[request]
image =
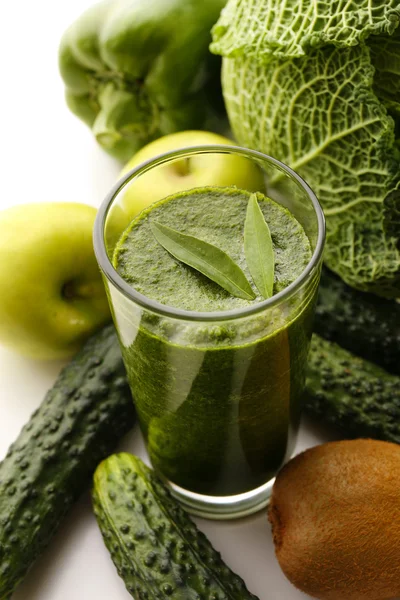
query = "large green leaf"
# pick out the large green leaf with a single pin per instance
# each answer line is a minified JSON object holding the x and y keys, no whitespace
{"x":385,"y":56}
{"x":320,"y":115}
{"x":292,"y":28}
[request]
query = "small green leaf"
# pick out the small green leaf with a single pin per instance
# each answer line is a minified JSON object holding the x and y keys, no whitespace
{"x":206,"y":258}
{"x":258,"y":248}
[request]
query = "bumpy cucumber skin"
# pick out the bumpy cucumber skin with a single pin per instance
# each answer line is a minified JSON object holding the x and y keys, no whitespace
{"x":48,"y":467}
{"x":157,"y":549}
{"x":357,"y":397}
{"x":362,"y":323}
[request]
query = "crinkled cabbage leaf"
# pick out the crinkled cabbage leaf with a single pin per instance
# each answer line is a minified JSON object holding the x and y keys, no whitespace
{"x":317,"y":85}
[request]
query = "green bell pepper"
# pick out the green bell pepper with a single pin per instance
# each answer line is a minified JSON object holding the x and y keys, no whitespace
{"x":138,"y":69}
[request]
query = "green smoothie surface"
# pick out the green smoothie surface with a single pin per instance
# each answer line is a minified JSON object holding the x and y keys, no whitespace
{"x":217,"y":216}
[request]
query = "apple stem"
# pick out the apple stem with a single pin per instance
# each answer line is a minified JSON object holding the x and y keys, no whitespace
{"x":71,"y":290}
{"x":182,"y":166}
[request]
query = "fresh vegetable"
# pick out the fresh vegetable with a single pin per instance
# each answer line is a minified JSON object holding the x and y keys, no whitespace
{"x":156,"y":548}
{"x":316,"y":86}
{"x":335,"y":514}
{"x":52,"y":296}
{"x":357,"y":397}
{"x":360,"y":322}
{"x":78,"y":424}
{"x":138,"y":69}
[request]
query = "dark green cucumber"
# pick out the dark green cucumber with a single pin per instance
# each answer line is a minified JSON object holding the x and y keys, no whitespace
{"x":357,"y":397}
{"x":157,"y":549}
{"x":78,"y":424}
{"x":363,"y":323}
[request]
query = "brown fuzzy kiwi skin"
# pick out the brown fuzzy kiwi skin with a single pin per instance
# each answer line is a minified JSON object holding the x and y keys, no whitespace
{"x":335,"y":516}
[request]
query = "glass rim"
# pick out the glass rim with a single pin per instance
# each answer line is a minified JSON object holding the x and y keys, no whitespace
{"x":190,"y":315}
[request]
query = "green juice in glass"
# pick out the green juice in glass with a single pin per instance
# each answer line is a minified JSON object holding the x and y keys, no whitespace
{"x":219,"y":402}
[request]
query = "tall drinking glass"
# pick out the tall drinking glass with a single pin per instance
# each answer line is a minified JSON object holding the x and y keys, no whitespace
{"x":218,"y":394}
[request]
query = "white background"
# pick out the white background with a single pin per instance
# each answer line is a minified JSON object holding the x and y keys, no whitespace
{"x":48,"y":155}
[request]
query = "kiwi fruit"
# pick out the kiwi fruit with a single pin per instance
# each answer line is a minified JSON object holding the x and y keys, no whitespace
{"x":335,"y":516}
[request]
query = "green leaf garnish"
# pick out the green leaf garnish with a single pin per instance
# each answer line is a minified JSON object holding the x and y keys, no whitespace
{"x":258,"y":248}
{"x":206,"y":258}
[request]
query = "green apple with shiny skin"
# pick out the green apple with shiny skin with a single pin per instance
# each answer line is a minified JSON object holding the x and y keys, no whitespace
{"x":196,"y":171}
{"x":52,"y":295}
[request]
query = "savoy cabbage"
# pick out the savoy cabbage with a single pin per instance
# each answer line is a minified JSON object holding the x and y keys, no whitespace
{"x":317,"y":85}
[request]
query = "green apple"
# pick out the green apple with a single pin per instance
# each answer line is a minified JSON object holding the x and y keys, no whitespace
{"x":201,"y":170}
{"x":52,"y":295}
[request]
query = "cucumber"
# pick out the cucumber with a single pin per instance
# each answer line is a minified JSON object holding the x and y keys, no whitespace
{"x":157,"y":549}
{"x":357,"y":397}
{"x":78,"y":424}
{"x":363,"y":323}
